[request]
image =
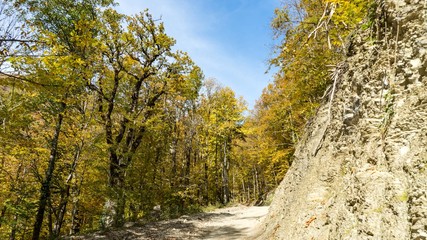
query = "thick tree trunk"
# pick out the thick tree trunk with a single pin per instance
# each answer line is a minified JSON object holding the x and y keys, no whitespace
{"x":119,"y":217}
{"x":112,"y":215}
{"x":45,"y":189}
{"x":114,"y":207}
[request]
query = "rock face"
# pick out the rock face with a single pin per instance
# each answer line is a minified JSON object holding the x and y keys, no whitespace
{"x":360,"y":171}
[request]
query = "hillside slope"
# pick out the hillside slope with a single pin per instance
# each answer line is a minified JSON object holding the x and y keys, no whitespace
{"x":360,"y":170}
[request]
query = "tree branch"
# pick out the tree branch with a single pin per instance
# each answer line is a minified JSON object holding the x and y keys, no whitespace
{"x":27,"y":80}
{"x":19,"y":40}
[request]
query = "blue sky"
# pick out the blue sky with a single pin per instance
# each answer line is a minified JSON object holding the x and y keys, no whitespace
{"x":229,"y":39}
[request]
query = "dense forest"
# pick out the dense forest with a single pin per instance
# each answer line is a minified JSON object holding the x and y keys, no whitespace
{"x":101,"y":119}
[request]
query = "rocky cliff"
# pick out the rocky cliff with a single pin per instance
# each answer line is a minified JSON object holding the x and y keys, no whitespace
{"x":360,"y":170}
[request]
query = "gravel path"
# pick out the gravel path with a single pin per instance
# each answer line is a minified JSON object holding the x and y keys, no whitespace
{"x":233,"y":223}
{"x":222,"y":224}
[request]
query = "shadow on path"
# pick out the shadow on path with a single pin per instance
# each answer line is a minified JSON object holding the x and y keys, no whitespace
{"x":230,"y":223}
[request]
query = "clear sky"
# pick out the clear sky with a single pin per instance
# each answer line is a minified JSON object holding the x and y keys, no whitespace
{"x":230,"y":40}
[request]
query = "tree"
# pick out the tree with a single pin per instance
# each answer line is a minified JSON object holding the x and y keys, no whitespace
{"x":66,"y":37}
{"x":139,"y":68}
{"x":222,"y":116}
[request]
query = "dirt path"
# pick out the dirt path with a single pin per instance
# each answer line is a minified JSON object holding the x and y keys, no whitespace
{"x":226,"y":223}
{"x":233,"y":223}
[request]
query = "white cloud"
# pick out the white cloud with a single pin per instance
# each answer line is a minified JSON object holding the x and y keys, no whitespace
{"x":207,"y":30}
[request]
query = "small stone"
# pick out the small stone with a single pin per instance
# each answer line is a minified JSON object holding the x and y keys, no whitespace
{"x":408,"y":52}
{"x":129,"y":224}
{"x":422,"y":41}
{"x":348,"y":117}
{"x":415,"y":63}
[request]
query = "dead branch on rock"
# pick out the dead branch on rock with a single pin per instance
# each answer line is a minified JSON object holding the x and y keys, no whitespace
{"x":324,"y":22}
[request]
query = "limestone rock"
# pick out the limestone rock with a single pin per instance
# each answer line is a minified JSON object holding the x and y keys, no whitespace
{"x":361,"y":173}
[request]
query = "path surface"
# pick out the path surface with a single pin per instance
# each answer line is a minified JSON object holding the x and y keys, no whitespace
{"x":233,"y":223}
{"x":223,"y":224}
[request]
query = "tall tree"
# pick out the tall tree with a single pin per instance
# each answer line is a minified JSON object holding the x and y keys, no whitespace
{"x":139,"y":69}
{"x":223,"y":117}
{"x":66,"y":34}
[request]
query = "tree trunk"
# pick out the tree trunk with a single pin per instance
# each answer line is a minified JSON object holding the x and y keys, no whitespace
{"x":3,"y":212}
{"x":187,"y":167}
{"x":45,"y":189}
{"x":13,"y":230}
{"x":75,"y":218}
{"x":233,"y":185}
{"x":244,"y":191}
{"x":50,"y":212}
{"x":254,"y":184}
{"x":62,"y":208}
{"x":75,"y":213}
{"x":119,"y":217}
{"x":60,"y":218}
{"x":114,"y":207}
{"x":174,"y":162}
{"x":258,"y":198}
{"x":119,"y":161}
{"x":66,"y":193}
{"x":218,"y":175}
{"x":206,"y":194}
{"x":113,"y":212}
{"x":249,"y":192}
{"x":226,"y":189}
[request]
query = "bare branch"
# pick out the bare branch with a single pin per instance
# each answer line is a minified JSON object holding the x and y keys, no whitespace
{"x":27,"y":80}
{"x":19,"y":40}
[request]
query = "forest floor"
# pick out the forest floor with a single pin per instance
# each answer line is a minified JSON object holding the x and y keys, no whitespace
{"x":238,"y":222}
